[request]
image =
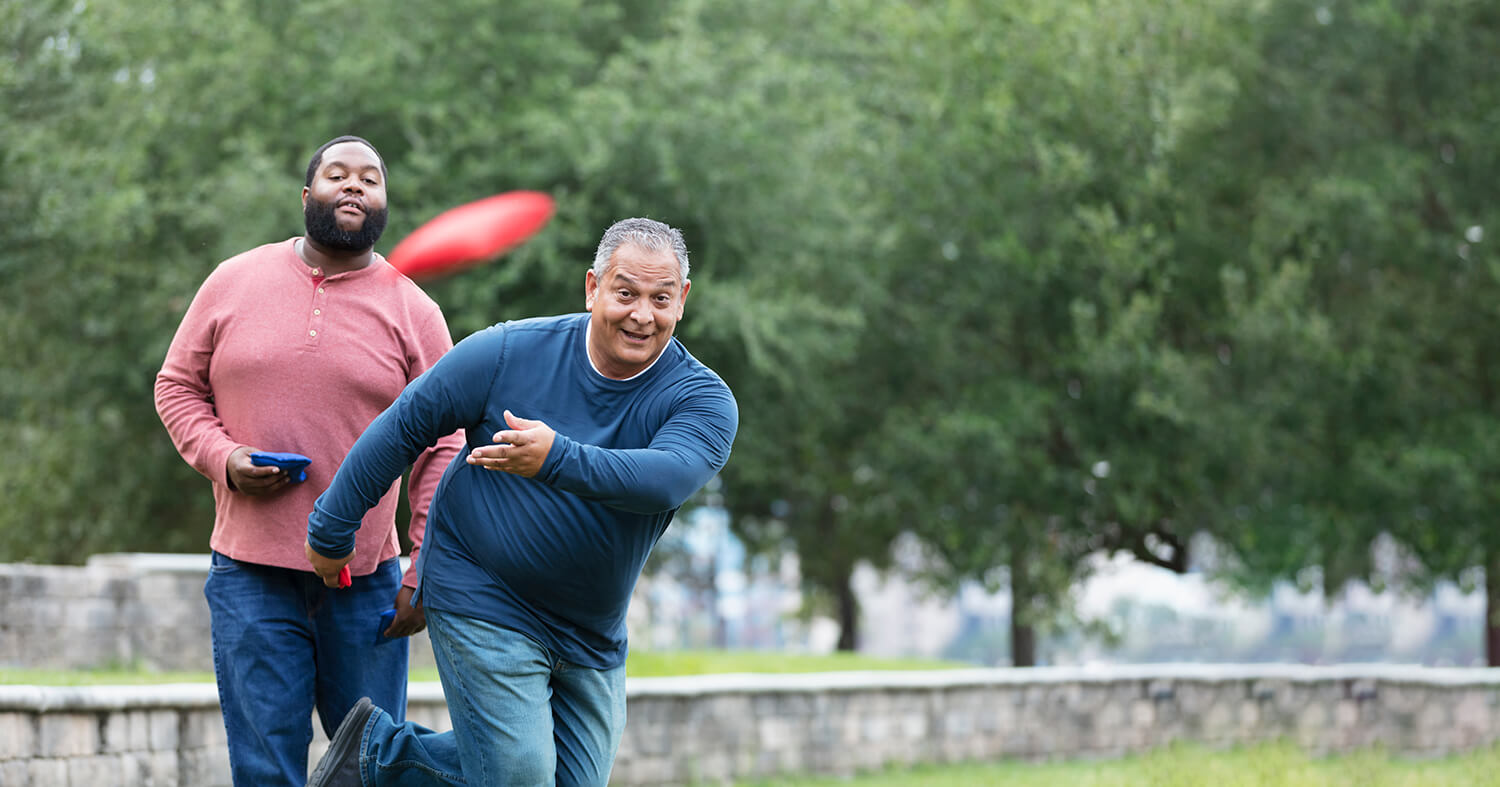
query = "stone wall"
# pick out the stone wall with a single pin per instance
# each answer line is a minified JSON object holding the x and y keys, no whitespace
{"x":143,"y":611}
{"x":715,"y":729}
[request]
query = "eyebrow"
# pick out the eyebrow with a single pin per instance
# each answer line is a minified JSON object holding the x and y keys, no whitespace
{"x":342,"y":165}
{"x":667,"y":283}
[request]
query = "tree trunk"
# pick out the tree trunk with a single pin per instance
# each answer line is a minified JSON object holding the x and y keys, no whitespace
{"x":848,"y":613}
{"x":1022,"y":634}
{"x":1492,"y":607}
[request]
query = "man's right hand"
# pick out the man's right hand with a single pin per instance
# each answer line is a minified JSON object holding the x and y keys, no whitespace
{"x":254,"y":480}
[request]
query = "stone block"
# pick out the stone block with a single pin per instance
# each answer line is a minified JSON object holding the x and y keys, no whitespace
{"x":1142,"y":714}
{"x":67,"y":734}
{"x":18,"y":735}
{"x":433,"y":717}
{"x":47,"y":772}
{"x":653,"y":740}
{"x":93,"y":614}
{"x":100,"y":769}
{"x":874,"y":729}
{"x":40,"y":612}
{"x":137,"y":730}
{"x":773,"y":734}
{"x":202,"y":729}
{"x":915,"y":726}
{"x":1474,"y":718}
{"x":115,"y":734}
{"x":1109,"y":724}
{"x":204,"y":767}
{"x":14,"y":773}
{"x":649,"y":770}
{"x":163,"y":730}
{"x":134,"y":769}
{"x":1218,"y":720}
{"x":957,"y":724}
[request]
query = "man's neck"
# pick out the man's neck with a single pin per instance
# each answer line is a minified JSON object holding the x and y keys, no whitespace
{"x":328,"y":262}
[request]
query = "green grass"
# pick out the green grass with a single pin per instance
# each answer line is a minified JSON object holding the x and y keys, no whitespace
{"x":1270,"y":765}
{"x":669,"y":663}
{"x":642,"y":664}
{"x":10,"y":676}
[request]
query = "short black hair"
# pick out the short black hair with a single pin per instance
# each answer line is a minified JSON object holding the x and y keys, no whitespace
{"x":317,"y":157}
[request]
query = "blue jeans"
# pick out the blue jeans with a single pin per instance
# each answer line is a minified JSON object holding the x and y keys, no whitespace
{"x":521,"y":716}
{"x":284,"y":644}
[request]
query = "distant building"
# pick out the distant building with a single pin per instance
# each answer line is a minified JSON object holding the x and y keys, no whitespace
{"x":710,"y":596}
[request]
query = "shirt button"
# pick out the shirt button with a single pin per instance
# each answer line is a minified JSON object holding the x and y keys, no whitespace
{"x":317,"y":271}
{"x":320,"y":290}
{"x":317,"y":311}
{"x":312,"y":333}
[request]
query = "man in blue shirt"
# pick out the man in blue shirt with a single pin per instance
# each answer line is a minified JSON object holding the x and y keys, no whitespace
{"x":586,"y":433}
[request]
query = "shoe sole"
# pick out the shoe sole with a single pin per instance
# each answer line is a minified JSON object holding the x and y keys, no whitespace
{"x":345,"y":741}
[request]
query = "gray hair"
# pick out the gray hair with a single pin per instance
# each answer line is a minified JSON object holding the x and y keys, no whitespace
{"x":646,"y":233}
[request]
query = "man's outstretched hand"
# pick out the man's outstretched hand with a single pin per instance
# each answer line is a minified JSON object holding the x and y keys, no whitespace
{"x":520,"y":450}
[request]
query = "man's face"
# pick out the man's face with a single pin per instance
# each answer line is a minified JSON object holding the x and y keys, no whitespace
{"x":635,"y":306}
{"x":344,"y":209}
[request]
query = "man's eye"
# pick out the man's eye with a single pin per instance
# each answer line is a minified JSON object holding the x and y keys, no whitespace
{"x":370,"y":181}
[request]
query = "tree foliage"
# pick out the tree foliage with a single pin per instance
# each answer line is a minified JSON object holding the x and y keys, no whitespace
{"x":1031,"y":281}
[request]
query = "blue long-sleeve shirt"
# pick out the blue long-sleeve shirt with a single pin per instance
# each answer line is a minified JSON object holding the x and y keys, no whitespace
{"x":555,"y":556}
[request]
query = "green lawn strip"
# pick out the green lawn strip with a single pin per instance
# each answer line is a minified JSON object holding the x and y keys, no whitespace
{"x":676,"y":663}
{"x":1267,"y":765}
{"x":642,"y":664}
{"x":11,"y":676}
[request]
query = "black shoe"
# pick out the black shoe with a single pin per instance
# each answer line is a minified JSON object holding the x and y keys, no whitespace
{"x":340,"y":764}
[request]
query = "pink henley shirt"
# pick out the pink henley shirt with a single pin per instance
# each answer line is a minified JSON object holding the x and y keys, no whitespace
{"x":273,"y":355}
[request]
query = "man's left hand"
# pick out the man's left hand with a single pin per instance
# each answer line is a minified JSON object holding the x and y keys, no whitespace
{"x":327,"y":567}
{"x":520,"y":450}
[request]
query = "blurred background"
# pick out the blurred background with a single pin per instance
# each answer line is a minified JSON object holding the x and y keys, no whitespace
{"x":1062,"y":330}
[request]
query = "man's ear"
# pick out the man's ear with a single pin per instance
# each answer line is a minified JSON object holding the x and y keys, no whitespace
{"x":590,"y":289}
{"x":305,"y":189}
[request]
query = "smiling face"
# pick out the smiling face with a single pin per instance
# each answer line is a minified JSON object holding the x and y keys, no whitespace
{"x":344,"y":206}
{"x":635,"y":306}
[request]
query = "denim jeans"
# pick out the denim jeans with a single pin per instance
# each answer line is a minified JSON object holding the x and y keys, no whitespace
{"x":284,"y":644}
{"x":521,"y":716}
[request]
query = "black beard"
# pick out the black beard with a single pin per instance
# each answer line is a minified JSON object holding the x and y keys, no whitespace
{"x":323,"y":227}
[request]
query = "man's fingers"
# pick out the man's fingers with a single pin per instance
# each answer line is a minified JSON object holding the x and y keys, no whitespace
{"x":256,"y":486}
{"x":517,"y":422}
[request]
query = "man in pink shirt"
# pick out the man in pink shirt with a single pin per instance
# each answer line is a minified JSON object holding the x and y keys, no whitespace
{"x":295,"y":347}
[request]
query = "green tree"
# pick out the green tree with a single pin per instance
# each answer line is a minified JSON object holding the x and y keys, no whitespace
{"x":148,"y":142}
{"x":1377,"y":173}
{"x":1058,"y":345}
{"x":740,"y":126}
